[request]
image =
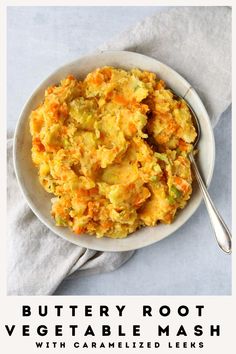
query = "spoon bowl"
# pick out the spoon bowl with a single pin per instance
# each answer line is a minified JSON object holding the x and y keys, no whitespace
{"x":194,"y":116}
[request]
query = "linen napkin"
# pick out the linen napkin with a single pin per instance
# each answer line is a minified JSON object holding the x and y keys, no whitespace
{"x":196,"y":42}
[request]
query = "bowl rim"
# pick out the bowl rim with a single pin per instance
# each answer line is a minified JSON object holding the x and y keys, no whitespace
{"x":22,"y":116}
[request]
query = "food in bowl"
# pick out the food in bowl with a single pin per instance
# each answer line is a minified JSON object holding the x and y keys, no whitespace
{"x":113,"y":150}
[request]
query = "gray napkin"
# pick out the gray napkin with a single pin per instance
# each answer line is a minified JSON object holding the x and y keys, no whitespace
{"x":196,"y":42}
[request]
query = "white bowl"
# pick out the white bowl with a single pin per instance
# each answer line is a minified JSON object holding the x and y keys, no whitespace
{"x":39,"y":200}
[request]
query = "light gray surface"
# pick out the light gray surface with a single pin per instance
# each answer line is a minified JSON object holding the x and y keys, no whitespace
{"x":187,"y":263}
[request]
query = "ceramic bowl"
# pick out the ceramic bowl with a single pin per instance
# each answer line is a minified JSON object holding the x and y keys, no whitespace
{"x":39,"y":200}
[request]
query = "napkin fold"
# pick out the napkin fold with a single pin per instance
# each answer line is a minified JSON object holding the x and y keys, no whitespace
{"x":196,"y":42}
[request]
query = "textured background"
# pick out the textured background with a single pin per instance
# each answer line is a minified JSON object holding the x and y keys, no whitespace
{"x":189,"y":262}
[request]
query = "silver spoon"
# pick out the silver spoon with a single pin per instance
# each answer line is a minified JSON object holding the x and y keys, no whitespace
{"x":222,"y":233}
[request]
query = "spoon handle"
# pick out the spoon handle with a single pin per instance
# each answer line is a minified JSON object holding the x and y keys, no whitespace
{"x":222,"y":233}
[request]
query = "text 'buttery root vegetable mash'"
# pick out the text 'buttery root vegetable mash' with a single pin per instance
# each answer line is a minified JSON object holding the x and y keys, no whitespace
{"x":113,"y":149}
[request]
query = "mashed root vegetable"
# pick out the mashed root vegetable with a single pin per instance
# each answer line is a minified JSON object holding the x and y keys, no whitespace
{"x":113,"y":150}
